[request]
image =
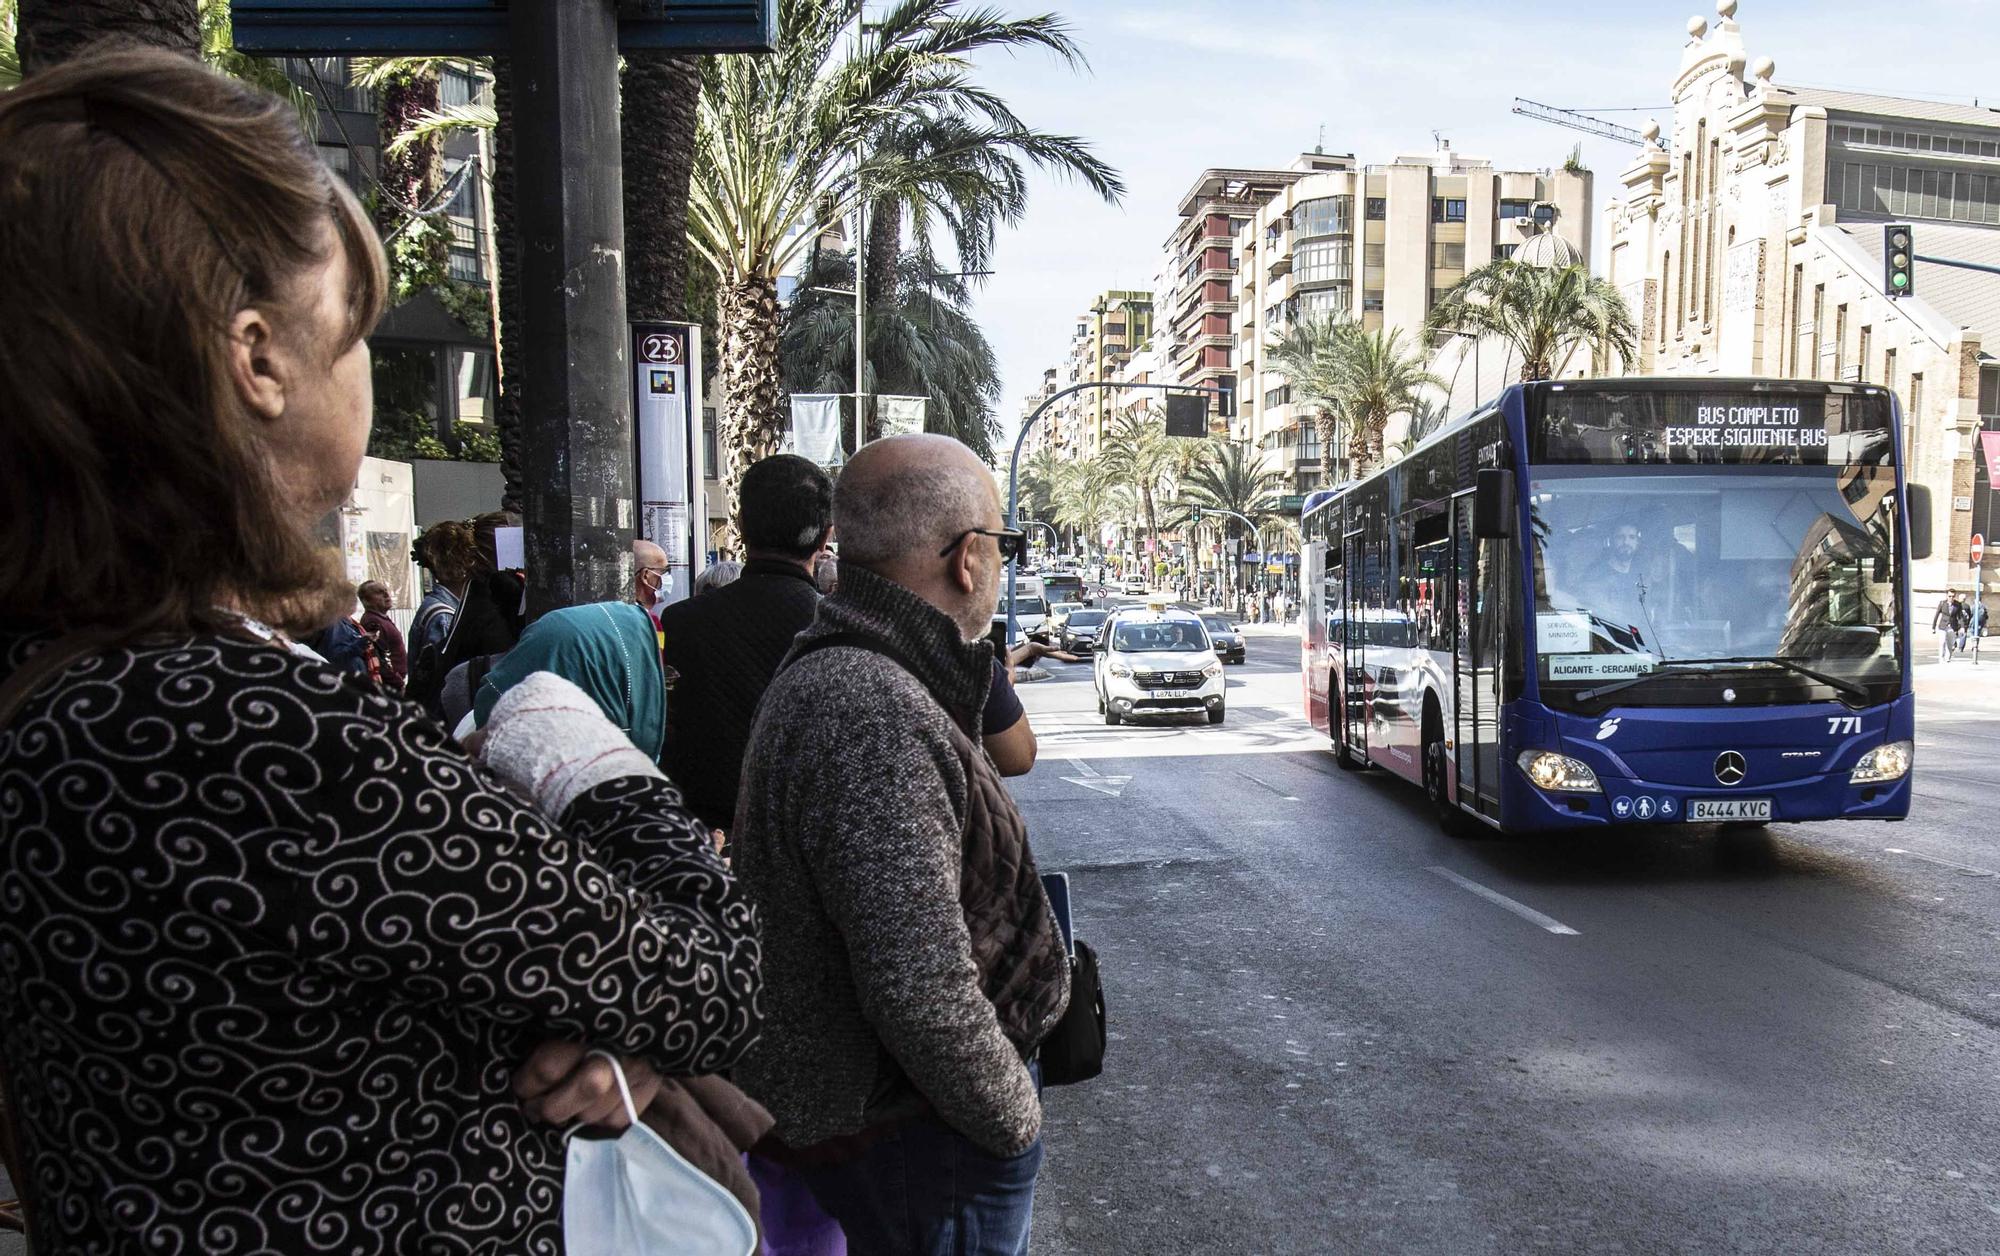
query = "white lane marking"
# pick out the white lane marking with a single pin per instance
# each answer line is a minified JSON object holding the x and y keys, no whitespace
{"x":1498,"y":899}
{"x":1967,"y":869}
{"x":1091,"y":778}
{"x":1267,"y":785}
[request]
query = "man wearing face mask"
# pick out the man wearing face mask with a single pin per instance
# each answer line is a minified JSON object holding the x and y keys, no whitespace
{"x":910,"y":957}
{"x":649,"y":577}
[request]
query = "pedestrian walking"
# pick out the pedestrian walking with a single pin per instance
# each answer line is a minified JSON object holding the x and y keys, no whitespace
{"x":911,"y":958}
{"x":1943,"y":624}
{"x":392,"y":657}
{"x":300,"y":976}
{"x":1976,"y":625}
{"x":446,"y":552}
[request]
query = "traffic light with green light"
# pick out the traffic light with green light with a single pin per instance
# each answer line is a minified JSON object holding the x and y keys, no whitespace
{"x":1899,"y":259}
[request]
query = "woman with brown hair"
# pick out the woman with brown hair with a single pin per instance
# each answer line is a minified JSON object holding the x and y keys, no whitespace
{"x":281,"y":969}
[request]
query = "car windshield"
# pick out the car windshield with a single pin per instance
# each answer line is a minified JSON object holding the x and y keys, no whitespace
{"x":1086,"y":619}
{"x":1159,"y":638}
{"x":1634,"y":573}
{"x":1218,"y":625}
{"x":1030,"y":606}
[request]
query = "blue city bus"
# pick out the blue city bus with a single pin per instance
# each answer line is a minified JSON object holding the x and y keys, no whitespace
{"x":1600,"y":602}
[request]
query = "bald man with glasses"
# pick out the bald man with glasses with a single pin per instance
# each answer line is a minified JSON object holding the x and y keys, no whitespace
{"x":911,"y":962}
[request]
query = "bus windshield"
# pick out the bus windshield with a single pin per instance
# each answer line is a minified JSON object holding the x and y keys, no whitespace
{"x":1639,"y":570}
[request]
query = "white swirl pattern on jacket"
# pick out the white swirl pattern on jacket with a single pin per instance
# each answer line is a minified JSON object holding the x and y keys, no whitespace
{"x":271,"y":946}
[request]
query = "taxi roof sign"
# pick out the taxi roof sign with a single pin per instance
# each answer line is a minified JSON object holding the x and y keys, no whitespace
{"x":475,"y":28}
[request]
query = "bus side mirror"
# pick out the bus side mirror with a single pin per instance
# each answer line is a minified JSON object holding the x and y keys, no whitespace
{"x":1493,"y":504}
{"x":1918,"y":499}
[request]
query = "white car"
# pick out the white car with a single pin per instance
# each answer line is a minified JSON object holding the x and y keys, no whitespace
{"x":1134,"y":585}
{"x":1157,"y":660}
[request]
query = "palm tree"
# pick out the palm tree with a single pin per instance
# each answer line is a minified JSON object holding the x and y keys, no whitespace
{"x":53,"y":31}
{"x":1138,"y":452}
{"x":921,"y":342}
{"x":979,"y":181}
{"x":1085,"y":499}
{"x":1230,"y":477}
{"x":1040,"y":475}
{"x":1544,"y":313}
{"x":1378,"y":378}
{"x":775,"y":166}
{"x":1310,"y":353}
{"x":1427,"y":417}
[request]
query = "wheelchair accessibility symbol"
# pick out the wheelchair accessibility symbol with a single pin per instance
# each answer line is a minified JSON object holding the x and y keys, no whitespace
{"x":1666,"y":807}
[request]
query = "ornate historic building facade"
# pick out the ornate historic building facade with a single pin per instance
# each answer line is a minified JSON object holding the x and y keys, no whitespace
{"x":1748,"y":241}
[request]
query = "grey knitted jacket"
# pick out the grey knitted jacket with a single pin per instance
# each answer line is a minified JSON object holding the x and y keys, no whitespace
{"x":909,"y":955}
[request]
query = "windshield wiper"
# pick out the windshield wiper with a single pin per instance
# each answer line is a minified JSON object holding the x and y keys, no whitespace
{"x":1686,"y":667}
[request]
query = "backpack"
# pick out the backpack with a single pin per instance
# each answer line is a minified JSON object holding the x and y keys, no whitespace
{"x":425,"y":683}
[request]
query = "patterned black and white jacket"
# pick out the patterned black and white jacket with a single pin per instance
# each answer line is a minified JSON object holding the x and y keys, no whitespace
{"x":271,"y":946}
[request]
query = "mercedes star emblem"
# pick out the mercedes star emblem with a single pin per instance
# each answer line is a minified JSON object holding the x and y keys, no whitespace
{"x":1729,"y":768}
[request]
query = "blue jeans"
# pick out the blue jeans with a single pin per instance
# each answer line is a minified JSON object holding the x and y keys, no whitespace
{"x":927,"y":1190}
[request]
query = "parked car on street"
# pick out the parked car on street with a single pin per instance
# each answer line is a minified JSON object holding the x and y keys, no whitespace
{"x":1228,"y":638}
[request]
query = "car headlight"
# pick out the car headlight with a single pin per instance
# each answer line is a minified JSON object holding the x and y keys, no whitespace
{"x":1213,"y":669}
{"x":1558,"y":773}
{"x":1889,"y":761}
{"x":1120,"y":670}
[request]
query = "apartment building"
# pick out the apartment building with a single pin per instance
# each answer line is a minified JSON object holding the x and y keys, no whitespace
{"x":1378,"y":244}
{"x":1198,"y":300}
{"x":1102,"y":340}
{"x":1748,"y":241}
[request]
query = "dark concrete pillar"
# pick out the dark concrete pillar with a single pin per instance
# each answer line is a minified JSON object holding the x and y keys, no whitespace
{"x":576,"y":419}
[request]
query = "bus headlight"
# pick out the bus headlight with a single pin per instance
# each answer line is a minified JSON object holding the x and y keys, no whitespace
{"x":1889,"y":761}
{"x":1558,"y":773}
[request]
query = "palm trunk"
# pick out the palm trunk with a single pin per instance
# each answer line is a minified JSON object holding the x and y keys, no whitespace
{"x":51,"y":32}
{"x":661,"y":94}
{"x":751,"y":424}
{"x":1152,"y":520}
{"x":885,"y":249}
{"x":1329,"y":433}
{"x":507,"y":288}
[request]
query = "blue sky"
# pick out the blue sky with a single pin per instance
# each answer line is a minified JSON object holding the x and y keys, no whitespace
{"x":1176,"y":86}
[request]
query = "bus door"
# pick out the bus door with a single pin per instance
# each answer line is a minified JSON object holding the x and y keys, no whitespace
{"x":1478,"y":638}
{"x":1350,"y":653}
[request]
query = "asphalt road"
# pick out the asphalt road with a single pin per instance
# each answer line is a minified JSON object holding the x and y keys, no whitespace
{"x":1329,"y":1037}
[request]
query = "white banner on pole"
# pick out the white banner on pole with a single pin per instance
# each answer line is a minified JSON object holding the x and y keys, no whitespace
{"x":901,"y":416}
{"x":816,"y":428}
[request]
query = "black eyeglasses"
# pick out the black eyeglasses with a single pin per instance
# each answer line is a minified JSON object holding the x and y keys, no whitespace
{"x":1012,"y":541}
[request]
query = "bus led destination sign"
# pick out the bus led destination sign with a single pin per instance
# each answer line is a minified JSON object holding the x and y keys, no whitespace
{"x":1747,"y":427}
{"x":1782,"y":423}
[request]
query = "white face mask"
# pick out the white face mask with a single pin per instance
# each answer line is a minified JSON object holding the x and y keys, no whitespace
{"x":634,"y":1196}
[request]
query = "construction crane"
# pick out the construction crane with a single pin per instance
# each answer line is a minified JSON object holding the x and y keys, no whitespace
{"x":1577,"y":121}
